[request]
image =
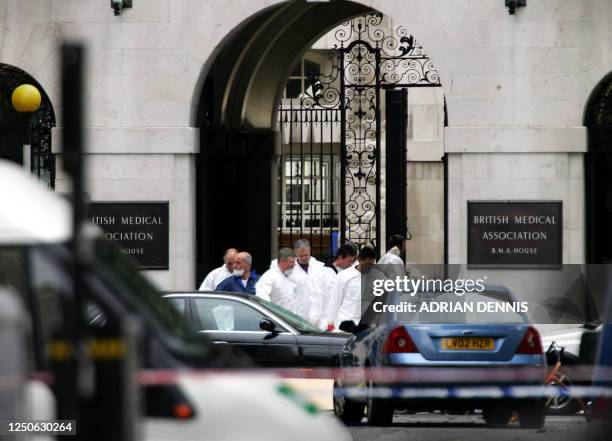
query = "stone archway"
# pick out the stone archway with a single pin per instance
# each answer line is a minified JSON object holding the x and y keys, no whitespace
{"x":239,"y":140}
{"x":236,"y":167}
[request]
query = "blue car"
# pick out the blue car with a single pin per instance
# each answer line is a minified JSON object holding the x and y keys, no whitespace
{"x":455,"y":343}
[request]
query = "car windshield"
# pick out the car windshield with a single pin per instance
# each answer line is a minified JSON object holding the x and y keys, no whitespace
{"x":448,"y":307}
{"x":119,"y":272}
{"x":294,"y":320}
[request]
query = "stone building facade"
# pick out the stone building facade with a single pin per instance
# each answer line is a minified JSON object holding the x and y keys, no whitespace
{"x":507,"y":123}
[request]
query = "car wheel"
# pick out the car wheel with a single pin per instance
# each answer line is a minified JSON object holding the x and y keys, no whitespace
{"x":532,"y":415}
{"x":379,"y":410}
{"x":562,"y":404}
{"x":497,"y":415}
{"x":349,"y":411}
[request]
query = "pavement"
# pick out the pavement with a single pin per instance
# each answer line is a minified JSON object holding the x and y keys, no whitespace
{"x":437,"y":427}
{"x":319,"y":392}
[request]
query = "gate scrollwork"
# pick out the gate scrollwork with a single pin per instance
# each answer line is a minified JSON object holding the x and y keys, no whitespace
{"x":366,"y":59}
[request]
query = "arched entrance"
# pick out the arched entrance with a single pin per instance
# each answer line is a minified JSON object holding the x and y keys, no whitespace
{"x":262,"y":170}
{"x":16,"y":128}
{"x":343,"y":123}
{"x":598,"y":120}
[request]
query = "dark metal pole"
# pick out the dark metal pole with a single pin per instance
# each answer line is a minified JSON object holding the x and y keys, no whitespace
{"x":332,"y":165}
{"x":96,"y":386}
{"x":377,"y":223}
{"x":73,"y":379}
{"x":321,"y":189}
{"x":72,"y":118}
{"x":343,"y":159}
{"x":290,"y":204}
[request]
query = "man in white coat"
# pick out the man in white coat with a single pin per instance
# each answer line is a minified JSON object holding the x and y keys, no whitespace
{"x":396,"y":249}
{"x":393,"y":263}
{"x":322,"y":285}
{"x":276,"y":284}
{"x":345,"y":298}
{"x":218,"y":275}
{"x":310,"y":276}
{"x":311,"y":280}
{"x":303,"y":258}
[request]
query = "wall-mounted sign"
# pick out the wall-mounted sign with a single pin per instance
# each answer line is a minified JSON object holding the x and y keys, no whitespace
{"x":515,"y":233}
{"x":140,"y":228}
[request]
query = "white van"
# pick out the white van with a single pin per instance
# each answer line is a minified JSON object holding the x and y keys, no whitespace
{"x":35,"y":225}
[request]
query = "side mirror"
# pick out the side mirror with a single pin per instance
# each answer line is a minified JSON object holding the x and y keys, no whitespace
{"x":348,"y":326}
{"x":267,"y":325}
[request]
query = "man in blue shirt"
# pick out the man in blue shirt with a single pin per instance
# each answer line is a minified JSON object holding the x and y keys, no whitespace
{"x":243,"y":279}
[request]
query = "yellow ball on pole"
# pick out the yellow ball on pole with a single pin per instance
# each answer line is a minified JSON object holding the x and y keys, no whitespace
{"x":26,"y":98}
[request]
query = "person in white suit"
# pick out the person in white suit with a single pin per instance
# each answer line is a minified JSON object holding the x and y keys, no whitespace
{"x":309,"y":276}
{"x":396,"y":250}
{"x":323,"y":283}
{"x":393,"y":261}
{"x":345,"y":297}
{"x":277,"y":285}
{"x":218,"y":275}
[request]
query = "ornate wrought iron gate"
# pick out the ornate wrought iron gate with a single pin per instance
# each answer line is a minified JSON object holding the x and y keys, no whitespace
{"x":330,"y":123}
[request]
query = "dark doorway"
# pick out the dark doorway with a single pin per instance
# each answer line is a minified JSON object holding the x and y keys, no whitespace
{"x":234,"y":187}
{"x":17,"y":129}
{"x":395,"y":180}
{"x":598,"y":120}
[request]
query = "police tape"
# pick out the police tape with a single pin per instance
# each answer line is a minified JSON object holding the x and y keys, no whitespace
{"x":380,"y":375}
{"x":472,"y":392}
{"x":371,"y":384}
{"x":419,"y":382}
{"x":394,"y":375}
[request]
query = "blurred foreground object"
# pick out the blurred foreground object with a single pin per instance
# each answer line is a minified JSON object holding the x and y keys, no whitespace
{"x":13,"y":339}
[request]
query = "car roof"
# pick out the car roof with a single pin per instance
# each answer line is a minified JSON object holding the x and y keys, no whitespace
{"x":226,"y":293}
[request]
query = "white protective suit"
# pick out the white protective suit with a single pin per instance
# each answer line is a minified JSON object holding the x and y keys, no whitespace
{"x":309,"y":290}
{"x":216,"y":276}
{"x":276,"y":287}
{"x":394,"y":265}
{"x":391,"y":258}
{"x":326,"y":277}
{"x":345,"y":298}
{"x":312,"y":299}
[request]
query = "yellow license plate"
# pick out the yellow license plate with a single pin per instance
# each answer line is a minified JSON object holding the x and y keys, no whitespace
{"x":468,"y":344}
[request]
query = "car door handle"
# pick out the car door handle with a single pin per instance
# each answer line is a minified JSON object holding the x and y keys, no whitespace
{"x":219,"y":342}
